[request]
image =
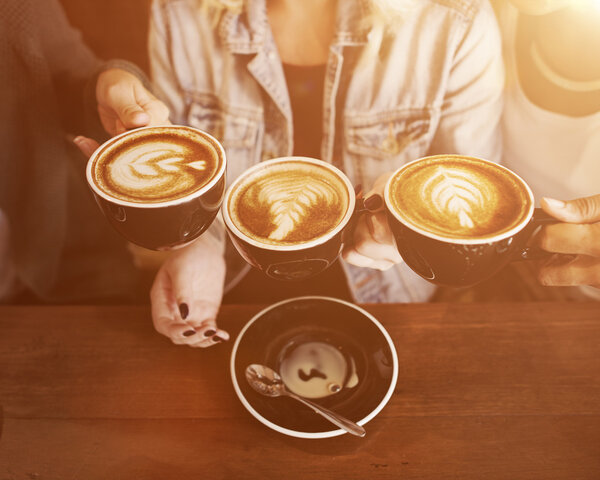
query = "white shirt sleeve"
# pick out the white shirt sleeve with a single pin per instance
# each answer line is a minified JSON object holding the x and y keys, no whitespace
{"x":472,"y":107}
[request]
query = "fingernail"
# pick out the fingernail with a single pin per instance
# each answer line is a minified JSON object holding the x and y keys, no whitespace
{"x":553,"y":203}
{"x":217,"y":339}
{"x":184,"y":311}
{"x":374,"y":202}
{"x":189,"y":333}
{"x":209,"y":333}
{"x":358,"y":189}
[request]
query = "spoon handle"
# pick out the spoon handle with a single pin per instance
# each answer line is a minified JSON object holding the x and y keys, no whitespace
{"x":333,"y":417}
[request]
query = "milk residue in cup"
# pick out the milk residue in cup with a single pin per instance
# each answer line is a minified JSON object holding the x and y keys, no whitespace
{"x":317,"y":370}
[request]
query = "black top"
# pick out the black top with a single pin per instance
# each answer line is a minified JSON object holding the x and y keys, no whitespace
{"x":305,"y":86}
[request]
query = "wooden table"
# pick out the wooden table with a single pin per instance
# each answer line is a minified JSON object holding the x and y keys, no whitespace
{"x":506,"y":391}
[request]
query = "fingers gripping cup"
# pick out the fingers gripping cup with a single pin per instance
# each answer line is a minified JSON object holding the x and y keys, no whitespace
{"x":457,"y":220}
{"x":287,"y":216}
{"x":159,"y":187}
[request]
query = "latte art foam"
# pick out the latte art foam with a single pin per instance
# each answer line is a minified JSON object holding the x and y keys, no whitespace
{"x":288,"y":203}
{"x":459,"y":197}
{"x":156,"y":165}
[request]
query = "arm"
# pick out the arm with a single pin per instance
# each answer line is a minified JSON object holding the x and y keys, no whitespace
{"x":187,"y":291}
{"x":195,"y":275}
{"x":70,"y":62}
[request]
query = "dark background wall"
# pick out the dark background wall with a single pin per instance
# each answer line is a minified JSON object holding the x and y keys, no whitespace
{"x":112,"y":28}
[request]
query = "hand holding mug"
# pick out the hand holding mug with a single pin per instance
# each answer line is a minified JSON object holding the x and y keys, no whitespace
{"x":578,"y":236}
{"x":123,"y":103}
{"x":160,"y":187}
{"x":372,"y":244}
{"x":187,"y":293}
{"x":457,"y":220}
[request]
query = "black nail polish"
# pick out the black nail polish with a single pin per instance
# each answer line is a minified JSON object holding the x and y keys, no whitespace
{"x":209,"y":333}
{"x":358,"y":189}
{"x":189,"y":333}
{"x":184,"y":310}
{"x":217,"y":339}
{"x":374,"y":202}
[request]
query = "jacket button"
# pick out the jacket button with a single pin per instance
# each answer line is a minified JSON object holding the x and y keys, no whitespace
{"x":390,"y":145}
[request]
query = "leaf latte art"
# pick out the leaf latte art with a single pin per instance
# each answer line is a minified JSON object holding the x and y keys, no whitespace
{"x":459,"y":197}
{"x":289,"y":203}
{"x":156,"y":167}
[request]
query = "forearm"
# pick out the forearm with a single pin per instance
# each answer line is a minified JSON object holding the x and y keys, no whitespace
{"x":150,"y":260}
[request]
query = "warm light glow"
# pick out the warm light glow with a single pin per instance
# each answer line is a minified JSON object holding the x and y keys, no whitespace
{"x":586,"y":4}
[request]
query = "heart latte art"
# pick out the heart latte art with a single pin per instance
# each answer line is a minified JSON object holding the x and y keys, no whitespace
{"x":156,"y":165}
{"x":459,"y":197}
{"x":288,"y":203}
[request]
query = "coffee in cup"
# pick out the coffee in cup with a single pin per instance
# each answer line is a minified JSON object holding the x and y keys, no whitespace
{"x":156,"y":165}
{"x":458,"y":198}
{"x":457,"y":219}
{"x":286,"y":216}
{"x":160,"y":187}
{"x":290,"y":203}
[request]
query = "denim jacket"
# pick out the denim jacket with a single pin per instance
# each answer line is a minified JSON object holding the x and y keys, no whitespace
{"x":435,"y":86}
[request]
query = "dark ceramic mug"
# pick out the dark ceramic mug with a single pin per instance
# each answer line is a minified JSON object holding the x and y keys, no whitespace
{"x":166,"y":216}
{"x":301,"y":260}
{"x":462,"y":262}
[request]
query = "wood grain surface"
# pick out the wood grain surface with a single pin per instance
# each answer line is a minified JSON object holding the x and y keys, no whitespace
{"x":485,"y":391}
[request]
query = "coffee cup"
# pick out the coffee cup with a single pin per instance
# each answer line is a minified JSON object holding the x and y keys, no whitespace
{"x":288,"y":216}
{"x":159,"y":187}
{"x":457,"y":220}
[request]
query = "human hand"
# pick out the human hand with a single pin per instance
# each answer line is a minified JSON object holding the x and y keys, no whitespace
{"x":123,"y":103}
{"x":578,"y":236}
{"x":373,"y":244}
{"x":187,"y":293}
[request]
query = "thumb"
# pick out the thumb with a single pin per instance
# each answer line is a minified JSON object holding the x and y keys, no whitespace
{"x":131,"y":114}
{"x":373,"y":201}
{"x":123,"y":101}
{"x":86,"y":145}
{"x":580,"y":210}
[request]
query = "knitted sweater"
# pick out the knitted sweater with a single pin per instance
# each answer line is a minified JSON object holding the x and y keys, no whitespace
{"x":61,"y":248}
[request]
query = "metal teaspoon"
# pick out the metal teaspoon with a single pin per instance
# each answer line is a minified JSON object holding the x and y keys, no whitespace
{"x":268,"y":382}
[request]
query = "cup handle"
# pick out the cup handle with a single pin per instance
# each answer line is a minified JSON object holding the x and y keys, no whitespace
{"x":359,"y":210}
{"x":539,"y":219}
